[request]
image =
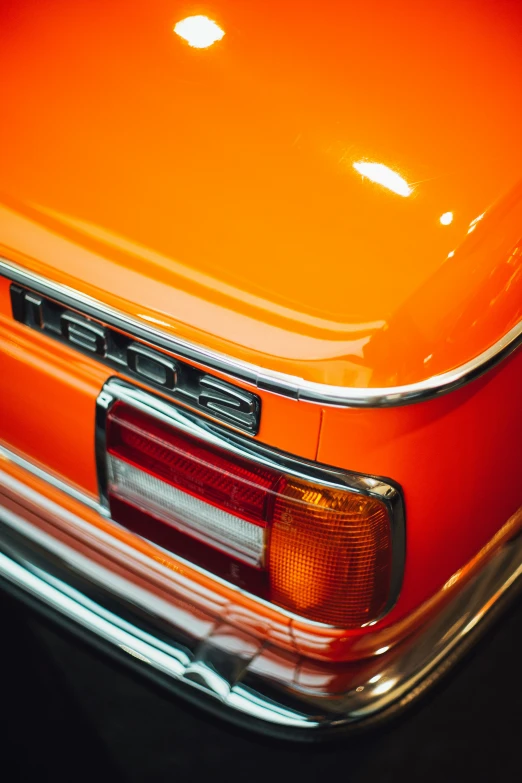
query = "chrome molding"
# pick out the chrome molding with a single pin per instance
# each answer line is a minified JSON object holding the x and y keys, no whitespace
{"x":206,"y":431}
{"x":89,"y":579}
{"x":278,"y":383}
{"x":54,"y":481}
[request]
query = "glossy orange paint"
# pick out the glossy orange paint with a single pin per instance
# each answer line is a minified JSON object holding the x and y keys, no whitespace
{"x":213,"y":191}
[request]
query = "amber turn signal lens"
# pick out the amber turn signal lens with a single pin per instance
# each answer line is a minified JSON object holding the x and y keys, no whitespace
{"x":330,"y":554}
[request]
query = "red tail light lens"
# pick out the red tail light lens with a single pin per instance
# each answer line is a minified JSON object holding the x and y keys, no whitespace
{"x":204,"y":471}
{"x":197,"y":488}
{"x":323,"y":552}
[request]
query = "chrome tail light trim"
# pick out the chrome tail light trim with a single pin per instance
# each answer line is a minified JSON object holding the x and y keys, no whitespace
{"x":206,"y":431}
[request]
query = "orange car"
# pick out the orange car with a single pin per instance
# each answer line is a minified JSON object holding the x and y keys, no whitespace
{"x":260,"y":318}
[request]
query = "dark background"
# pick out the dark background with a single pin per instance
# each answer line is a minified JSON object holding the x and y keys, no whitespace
{"x":70,"y":714}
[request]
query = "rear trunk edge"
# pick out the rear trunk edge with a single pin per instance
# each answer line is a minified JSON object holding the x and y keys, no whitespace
{"x":189,"y":233}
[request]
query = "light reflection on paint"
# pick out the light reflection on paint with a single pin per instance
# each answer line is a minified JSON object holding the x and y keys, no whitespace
{"x":383,"y":175}
{"x":451,"y":254}
{"x":199,"y":31}
{"x":476,"y":220}
{"x":381,"y":650}
{"x":473,"y":224}
{"x":446,"y":219}
{"x":152,"y":319}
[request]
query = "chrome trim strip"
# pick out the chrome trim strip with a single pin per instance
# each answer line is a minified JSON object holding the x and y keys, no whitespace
{"x":386,"y":491}
{"x":275,"y":382}
{"x":157,"y":628}
{"x":51,"y":479}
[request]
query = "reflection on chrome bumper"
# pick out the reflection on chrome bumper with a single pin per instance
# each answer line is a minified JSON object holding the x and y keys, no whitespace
{"x":92,"y":582}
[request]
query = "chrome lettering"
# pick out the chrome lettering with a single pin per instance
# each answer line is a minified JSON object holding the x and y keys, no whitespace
{"x":138,"y":359}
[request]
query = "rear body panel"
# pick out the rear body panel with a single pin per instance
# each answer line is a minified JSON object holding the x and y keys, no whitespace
{"x":206,"y":205}
{"x":447,"y":454}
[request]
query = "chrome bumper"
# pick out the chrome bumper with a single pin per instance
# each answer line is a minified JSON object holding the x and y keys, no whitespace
{"x":145,"y":614}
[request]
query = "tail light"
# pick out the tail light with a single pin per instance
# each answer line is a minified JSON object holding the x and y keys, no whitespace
{"x":314,"y":541}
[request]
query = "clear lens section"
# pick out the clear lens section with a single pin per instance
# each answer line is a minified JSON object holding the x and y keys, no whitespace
{"x":187,"y":513}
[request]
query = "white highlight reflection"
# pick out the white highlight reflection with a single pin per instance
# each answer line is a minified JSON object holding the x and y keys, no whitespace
{"x":473,"y":224}
{"x":199,"y":31}
{"x":383,"y":175}
{"x":384,"y":687}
